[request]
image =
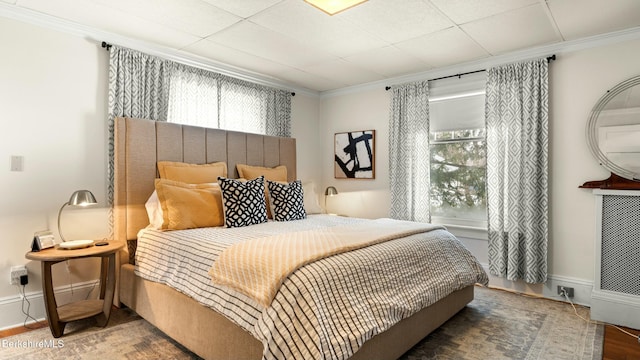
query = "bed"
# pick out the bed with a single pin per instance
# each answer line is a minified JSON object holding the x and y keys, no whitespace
{"x":210,"y":330}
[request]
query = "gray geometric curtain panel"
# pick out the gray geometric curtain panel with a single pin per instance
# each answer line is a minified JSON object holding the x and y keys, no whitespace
{"x":517,"y":116}
{"x":249,"y":107}
{"x":409,"y":152}
{"x":193,"y":96}
{"x":138,"y":87}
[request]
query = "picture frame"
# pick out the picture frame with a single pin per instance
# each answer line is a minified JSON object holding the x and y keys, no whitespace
{"x":43,"y":240}
{"x":354,"y":155}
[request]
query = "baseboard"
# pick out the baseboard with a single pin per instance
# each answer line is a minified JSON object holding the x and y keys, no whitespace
{"x":11,"y":307}
{"x":616,"y":308}
{"x":582,"y":288}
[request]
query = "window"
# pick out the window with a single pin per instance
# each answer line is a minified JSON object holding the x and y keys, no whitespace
{"x":458,"y":156}
{"x":193,"y":98}
{"x":201,"y":98}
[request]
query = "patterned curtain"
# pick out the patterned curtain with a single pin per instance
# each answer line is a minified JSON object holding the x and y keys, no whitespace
{"x":409,"y":152}
{"x":249,"y":107}
{"x":138,"y":87}
{"x":517,"y":170}
{"x":193,"y":96}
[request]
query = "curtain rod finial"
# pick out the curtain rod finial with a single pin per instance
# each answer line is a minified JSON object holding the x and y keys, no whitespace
{"x":106,"y":45}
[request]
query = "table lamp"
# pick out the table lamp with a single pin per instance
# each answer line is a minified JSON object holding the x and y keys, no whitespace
{"x":78,"y":198}
{"x":329,"y":191}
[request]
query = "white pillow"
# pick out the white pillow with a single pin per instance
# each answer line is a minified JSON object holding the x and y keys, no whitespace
{"x":311,"y":205}
{"x":154,"y":211}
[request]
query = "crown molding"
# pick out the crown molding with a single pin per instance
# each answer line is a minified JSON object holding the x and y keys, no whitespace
{"x":15,"y":12}
{"x":521,"y":55}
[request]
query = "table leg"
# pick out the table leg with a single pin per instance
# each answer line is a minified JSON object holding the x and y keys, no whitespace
{"x":109,"y":288}
{"x":57,"y":327}
{"x":104,"y":270}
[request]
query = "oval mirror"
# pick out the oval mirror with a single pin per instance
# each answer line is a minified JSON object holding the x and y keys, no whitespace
{"x":613,"y":129}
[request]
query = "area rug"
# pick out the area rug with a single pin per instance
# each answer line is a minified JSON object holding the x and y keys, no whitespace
{"x":496,"y":325}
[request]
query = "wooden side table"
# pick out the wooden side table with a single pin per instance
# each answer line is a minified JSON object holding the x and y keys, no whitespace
{"x":100,"y":308}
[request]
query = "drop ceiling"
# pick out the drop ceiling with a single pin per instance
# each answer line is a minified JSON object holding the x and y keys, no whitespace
{"x":294,"y":43}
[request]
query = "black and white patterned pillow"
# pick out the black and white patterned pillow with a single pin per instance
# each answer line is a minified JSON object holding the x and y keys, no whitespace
{"x":243,"y":202}
{"x":287,"y":201}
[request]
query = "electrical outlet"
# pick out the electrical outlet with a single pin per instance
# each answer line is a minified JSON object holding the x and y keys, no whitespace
{"x":563,"y":289}
{"x":15,"y":274}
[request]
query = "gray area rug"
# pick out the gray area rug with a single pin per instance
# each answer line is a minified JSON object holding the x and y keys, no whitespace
{"x":496,"y":325}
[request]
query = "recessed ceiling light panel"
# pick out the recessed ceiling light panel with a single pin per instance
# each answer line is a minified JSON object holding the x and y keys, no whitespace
{"x":333,"y":7}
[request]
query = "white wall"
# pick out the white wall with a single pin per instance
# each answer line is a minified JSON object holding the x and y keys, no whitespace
{"x":368,"y":110}
{"x":577,"y":80}
{"x":53,"y":96}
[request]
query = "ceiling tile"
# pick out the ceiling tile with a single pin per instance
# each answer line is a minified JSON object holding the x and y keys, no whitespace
{"x":259,"y":41}
{"x":513,"y":30}
{"x":101,"y":17}
{"x":398,"y":20}
{"x":595,"y":17}
{"x":243,"y":8}
{"x":464,"y":11}
{"x":341,"y":71}
{"x":446,"y":47}
{"x":388,"y":61}
{"x":332,"y":34}
{"x":310,"y":81}
{"x":239,"y":59}
{"x":192,"y":16}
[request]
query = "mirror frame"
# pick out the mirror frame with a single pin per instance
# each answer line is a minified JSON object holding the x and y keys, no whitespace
{"x":592,"y":130}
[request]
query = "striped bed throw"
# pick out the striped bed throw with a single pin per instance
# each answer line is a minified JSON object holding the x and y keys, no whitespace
{"x":258,"y":267}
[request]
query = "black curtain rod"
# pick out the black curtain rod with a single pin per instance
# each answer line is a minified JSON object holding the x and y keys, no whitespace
{"x":108,"y":46}
{"x":549,"y":59}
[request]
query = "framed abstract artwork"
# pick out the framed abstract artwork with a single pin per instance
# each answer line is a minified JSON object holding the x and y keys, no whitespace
{"x":355,"y":155}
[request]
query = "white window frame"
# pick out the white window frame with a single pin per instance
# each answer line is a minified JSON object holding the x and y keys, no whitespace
{"x":453,"y":88}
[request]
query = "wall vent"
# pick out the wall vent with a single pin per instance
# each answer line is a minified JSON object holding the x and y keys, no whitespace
{"x":620,"y":264}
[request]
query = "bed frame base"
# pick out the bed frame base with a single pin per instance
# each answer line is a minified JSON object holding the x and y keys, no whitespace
{"x":212,"y":336}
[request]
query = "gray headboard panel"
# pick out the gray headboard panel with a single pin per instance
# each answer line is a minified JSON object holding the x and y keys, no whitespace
{"x":140,"y":144}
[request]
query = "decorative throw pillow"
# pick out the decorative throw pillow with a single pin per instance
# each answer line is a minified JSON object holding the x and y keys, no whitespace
{"x":278,"y":173}
{"x":188,"y":206}
{"x":287,"y":201}
{"x":191,"y":173}
{"x":243,"y":202}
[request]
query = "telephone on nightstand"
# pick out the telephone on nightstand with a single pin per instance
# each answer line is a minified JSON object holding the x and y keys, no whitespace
{"x":42,"y":240}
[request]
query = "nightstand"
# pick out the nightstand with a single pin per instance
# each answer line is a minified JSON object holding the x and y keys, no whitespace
{"x":58,"y":317}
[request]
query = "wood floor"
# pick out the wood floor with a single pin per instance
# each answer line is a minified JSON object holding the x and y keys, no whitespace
{"x":620,"y":346}
{"x":617,"y":345}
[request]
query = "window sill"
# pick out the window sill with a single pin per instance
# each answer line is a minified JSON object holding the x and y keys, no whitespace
{"x":468,"y":232}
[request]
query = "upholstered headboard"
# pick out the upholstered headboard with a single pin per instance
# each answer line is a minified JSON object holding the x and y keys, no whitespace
{"x":140,"y":144}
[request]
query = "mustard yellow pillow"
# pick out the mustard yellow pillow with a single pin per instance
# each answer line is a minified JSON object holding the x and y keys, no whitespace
{"x":188,"y":206}
{"x":278,"y":173}
{"x":192,"y":173}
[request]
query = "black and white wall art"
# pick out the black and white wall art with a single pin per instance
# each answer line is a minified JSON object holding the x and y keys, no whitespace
{"x":355,"y":155}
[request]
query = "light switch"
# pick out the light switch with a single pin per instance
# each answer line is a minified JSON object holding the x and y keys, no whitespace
{"x":17,"y":163}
